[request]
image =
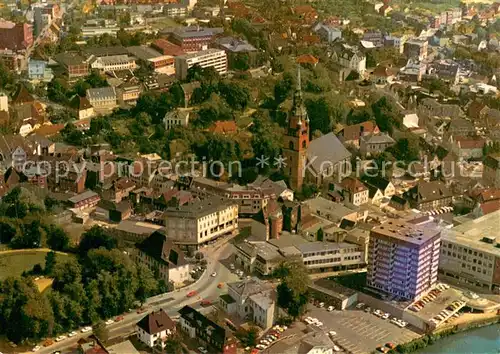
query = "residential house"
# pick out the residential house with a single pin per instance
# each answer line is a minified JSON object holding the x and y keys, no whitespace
{"x":412,"y":71}
{"x":429,"y":107}
{"x":113,"y":211}
{"x":383,"y":74}
{"x":375,"y":37}
{"x":102,"y":97}
{"x":85,"y":200}
{"x":215,"y":337}
{"x":223,"y":127}
{"x":128,"y":92}
{"x":429,"y":196}
{"x":307,"y":59}
{"x":355,"y":191}
{"x":251,"y":299}
{"x":38,"y":71}
{"x":375,"y":143}
{"x":188,"y":89}
{"x":477,"y":110}
{"x":445,"y":70}
{"x":306,"y":13}
{"x":460,"y":127}
{"x":416,"y":48}
{"x":399,"y":203}
{"x":328,"y":33}
{"x":351,"y":134}
{"x":466,"y":147}
{"x":160,"y":254}
{"x":279,"y":188}
{"x":351,"y":58}
{"x":82,"y":107}
{"x":177,"y":117}
{"x":379,"y":188}
{"x":155,"y":328}
{"x":491,"y":172}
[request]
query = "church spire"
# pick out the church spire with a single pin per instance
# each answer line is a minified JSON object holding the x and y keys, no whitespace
{"x":299,"y":110}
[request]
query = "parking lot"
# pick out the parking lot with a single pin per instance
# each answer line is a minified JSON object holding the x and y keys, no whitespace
{"x":358,"y":331}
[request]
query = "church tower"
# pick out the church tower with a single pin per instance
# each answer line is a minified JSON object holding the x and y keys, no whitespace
{"x":296,"y":140}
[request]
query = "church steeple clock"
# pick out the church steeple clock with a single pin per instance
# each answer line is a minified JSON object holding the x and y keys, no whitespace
{"x":296,"y":140}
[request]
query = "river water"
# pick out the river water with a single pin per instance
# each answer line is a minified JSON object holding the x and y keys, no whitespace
{"x":484,"y":340}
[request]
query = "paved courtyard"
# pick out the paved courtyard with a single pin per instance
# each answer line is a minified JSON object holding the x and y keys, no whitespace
{"x":360,"y":332}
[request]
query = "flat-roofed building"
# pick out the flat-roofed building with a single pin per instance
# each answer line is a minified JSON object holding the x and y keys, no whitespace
{"x":196,"y":223}
{"x":215,"y":58}
{"x":113,"y":63}
{"x":403,"y":258}
{"x":157,"y":61}
{"x":470,"y":253}
{"x":322,"y":256}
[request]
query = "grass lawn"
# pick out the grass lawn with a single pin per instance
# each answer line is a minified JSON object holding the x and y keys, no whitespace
{"x":16,"y":262}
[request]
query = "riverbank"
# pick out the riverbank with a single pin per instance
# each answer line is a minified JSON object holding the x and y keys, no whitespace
{"x":421,"y":344}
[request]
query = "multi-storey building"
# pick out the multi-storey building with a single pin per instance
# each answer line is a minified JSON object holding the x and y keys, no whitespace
{"x":214,"y":58}
{"x":74,"y":65}
{"x":351,"y":58}
{"x":470,"y":253}
{"x":113,"y":63}
{"x":193,"y":38}
{"x":160,"y":254}
{"x":429,"y":196}
{"x":177,"y":117}
{"x":102,"y":97}
{"x":196,"y":223}
{"x":403,"y":258}
{"x":416,"y":48}
{"x":355,"y":191}
{"x":15,"y":36}
{"x":323,"y":256}
{"x":198,"y":326}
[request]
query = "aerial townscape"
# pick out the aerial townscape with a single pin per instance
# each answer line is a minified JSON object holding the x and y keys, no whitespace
{"x":249,"y":176}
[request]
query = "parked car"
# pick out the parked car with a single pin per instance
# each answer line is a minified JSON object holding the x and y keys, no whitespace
{"x":386,"y":315}
{"x":220,"y":285}
{"x":336,"y":349}
{"x":48,"y":342}
{"x":231,"y":266}
{"x":368,"y":309}
{"x":60,"y":338}
{"x":382,"y":349}
{"x":202,"y":350}
{"x":72,"y":334}
{"x":360,"y":305}
{"x":191,"y":293}
{"x":214,"y":274}
{"x":330,"y":308}
{"x":390,"y":345}
{"x":37,"y":348}
{"x":332,"y":333}
{"x":108,"y":322}
{"x":321,"y":304}
{"x":261,"y":346}
{"x":86,"y":329}
{"x":205,"y":303}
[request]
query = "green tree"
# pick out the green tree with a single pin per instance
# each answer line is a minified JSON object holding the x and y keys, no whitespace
{"x":320,"y":234}
{"x":293,"y":289}
{"x":319,"y":115}
{"x":57,"y":238}
{"x":147,"y":283}
{"x":50,"y":262}
{"x":174,"y":345}
{"x":248,"y":337}
{"x":235,"y":95}
{"x":56,"y":92}
{"x":96,"y":80}
{"x":96,"y":237}
{"x":407,"y":149}
{"x":8,"y":230}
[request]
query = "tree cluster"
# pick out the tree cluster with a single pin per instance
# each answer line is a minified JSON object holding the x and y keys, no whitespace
{"x":100,"y":283}
{"x":293,"y":293}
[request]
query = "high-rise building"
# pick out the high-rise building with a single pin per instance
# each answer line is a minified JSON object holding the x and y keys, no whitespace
{"x":403,"y":258}
{"x":215,"y":58}
{"x":296,"y":140}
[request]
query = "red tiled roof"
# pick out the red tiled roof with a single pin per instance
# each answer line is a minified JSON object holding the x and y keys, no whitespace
{"x":490,"y":194}
{"x":490,"y":206}
{"x":167,"y":48}
{"x":303,"y":9}
{"x":311,"y":39}
{"x":49,"y":130}
{"x":307,"y":59}
{"x":353,"y":185}
{"x":353,"y":132}
{"x":469,"y":143}
{"x":223,"y":127}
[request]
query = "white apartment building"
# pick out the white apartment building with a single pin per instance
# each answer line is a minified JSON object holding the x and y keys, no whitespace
{"x":113,"y":63}
{"x":154,"y":329}
{"x":194,"y":224}
{"x":215,"y":58}
{"x":470,"y":255}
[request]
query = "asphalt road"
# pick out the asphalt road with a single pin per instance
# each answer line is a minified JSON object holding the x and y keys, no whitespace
{"x":206,"y":288}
